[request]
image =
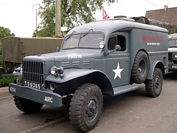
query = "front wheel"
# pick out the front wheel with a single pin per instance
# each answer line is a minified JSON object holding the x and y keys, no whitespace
{"x":27,"y":106}
{"x":154,"y":86}
{"x":86,"y":107}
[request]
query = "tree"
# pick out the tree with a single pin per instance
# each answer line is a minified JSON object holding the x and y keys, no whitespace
{"x":5,"y":32}
{"x":73,"y":13}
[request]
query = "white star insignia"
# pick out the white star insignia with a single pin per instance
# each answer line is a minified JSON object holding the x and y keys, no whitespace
{"x":118,"y":71}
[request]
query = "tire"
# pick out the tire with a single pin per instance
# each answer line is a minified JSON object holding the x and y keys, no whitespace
{"x":140,"y":68}
{"x":154,"y":86}
{"x":27,"y":106}
{"x":86,"y":107}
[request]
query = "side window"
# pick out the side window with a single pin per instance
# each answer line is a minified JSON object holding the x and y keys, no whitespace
{"x":117,"y":40}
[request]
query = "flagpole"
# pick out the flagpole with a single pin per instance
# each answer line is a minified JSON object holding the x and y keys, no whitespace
{"x":102,"y":12}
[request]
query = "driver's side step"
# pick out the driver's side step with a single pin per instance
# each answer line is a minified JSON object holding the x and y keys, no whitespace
{"x":124,"y":89}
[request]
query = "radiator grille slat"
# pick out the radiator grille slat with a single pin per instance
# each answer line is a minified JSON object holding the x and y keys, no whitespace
{"x":33,"y":72}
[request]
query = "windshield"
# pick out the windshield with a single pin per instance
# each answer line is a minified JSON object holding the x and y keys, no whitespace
{"x":86,"y":40}
{"x":172,"y":43}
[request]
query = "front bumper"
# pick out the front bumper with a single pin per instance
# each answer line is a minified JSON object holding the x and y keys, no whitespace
{"x":40,"y":96}
{"x":172,"y":67}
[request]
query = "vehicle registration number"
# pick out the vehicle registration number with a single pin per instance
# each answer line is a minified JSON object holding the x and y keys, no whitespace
{"x":33,"y":85}
{"x":174,"y":66}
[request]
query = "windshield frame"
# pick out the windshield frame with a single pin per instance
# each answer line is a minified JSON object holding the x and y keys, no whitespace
{"x":81,"y":36}
{"x":172,"y":43}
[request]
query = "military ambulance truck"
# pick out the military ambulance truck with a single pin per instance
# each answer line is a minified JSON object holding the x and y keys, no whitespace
{"x":109,"y":57}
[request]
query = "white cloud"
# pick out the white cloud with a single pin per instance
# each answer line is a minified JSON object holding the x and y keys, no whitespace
{"x":132,"y":8}
{"x":19,"y":16}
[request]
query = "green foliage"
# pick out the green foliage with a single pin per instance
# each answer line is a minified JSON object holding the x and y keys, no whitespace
{"x":1,"y":63}
{"x":0,"y":49}
{"x":73,"y":13}
{"x":5,"y":32}
{"x":4,"y":81}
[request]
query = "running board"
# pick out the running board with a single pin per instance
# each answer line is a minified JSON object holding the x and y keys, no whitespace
{"x":124,"y":89}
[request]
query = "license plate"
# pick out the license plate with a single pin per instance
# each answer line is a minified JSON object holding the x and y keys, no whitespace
{"x":33,"y":85}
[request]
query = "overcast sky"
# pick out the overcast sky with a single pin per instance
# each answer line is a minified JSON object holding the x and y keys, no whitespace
{"x":132,"y":8}
{"x":19,"y":15}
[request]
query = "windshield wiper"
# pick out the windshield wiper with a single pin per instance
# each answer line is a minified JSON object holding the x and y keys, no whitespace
{"x":86,"y":33}
{"x":70,"y":35}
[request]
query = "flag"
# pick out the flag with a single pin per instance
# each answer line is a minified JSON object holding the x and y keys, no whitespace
{"x":105,"y":15}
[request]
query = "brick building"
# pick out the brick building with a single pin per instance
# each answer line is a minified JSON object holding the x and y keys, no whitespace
{"x":166,"y":14}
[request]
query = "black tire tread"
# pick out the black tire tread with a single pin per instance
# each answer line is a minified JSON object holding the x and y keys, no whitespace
{"x":134,"y":77}
{"x":76,"y":106}
{"x":150,"y":83}
{"x":27,"y":106}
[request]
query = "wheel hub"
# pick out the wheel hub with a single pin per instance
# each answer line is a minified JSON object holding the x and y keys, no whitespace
{"x":91,"y":109}
{"x":141,"y":68}
{"x":157,"y":84}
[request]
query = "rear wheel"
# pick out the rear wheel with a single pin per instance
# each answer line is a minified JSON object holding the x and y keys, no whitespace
{"x":154,"y":86}
{"x":86,"y":107}
{"x":27,"y":106}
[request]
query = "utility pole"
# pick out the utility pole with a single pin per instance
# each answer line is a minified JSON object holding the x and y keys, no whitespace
{"x":36,"y":17}
{"x":58,"y":18}
{"x":36,"y":22}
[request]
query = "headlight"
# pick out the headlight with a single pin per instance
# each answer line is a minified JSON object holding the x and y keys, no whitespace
{"x":176,"y":56}
{"x":55,"y":71}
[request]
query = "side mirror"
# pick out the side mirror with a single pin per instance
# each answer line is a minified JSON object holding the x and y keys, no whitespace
{"x":117,"y":48}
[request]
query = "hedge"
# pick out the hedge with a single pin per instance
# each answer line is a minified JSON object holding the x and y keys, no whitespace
{"x":4,"y":81}
{"x":1,"y":63}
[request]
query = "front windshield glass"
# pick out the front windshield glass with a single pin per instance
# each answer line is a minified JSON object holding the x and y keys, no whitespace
{"x":172,"y":43}
{"x":86,"y":40}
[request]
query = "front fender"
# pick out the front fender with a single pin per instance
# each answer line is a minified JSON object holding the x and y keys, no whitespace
{"x":70,"y":74}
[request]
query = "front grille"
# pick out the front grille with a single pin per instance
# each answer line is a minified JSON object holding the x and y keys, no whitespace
{"x":33,"y":72}
{"x":170,"y":56}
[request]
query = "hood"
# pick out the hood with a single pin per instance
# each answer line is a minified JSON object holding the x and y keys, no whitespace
{"x":66,"y":55}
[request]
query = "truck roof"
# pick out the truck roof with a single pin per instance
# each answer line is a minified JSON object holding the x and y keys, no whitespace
{"x":172,"y":36}
{"x":112,"y":25}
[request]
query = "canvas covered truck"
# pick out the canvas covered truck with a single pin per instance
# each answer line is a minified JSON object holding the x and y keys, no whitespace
{"x":109,"y":57}
{"x":14,"y":49}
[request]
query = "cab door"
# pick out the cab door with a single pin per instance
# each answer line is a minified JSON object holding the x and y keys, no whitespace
{"x":117,"y":63}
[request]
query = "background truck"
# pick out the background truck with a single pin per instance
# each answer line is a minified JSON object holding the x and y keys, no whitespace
{"x":14,"y":49}
{"x":172,"y":55}
{"x":108,"y":57}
